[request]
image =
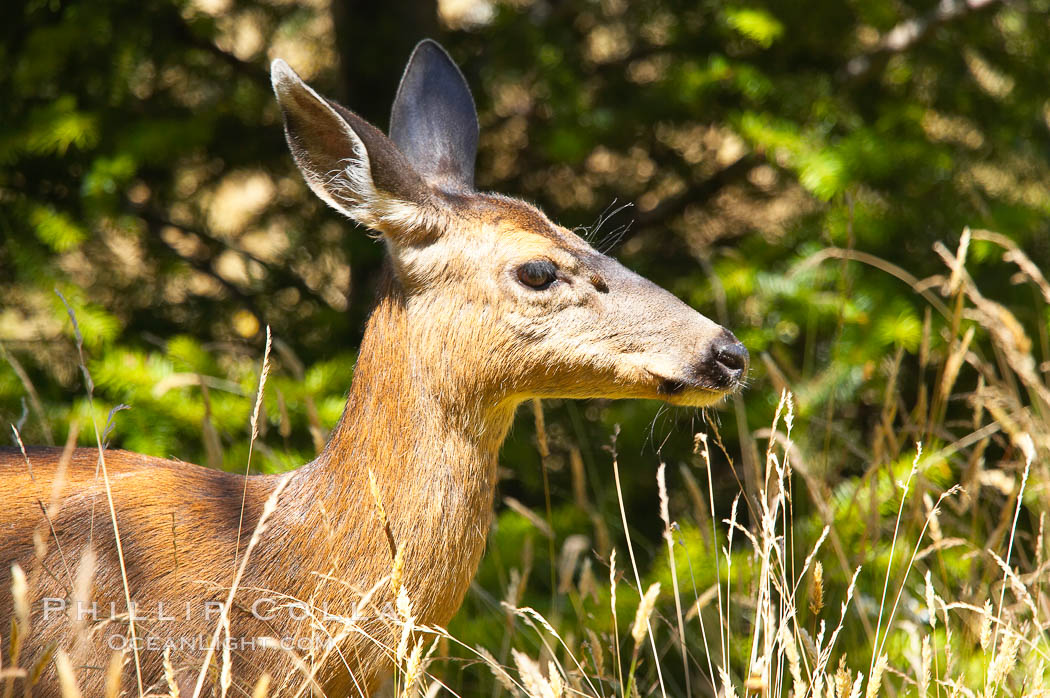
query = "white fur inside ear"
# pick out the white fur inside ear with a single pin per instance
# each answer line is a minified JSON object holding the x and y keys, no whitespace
{"x":350,"y":190}
{"x":348,"y":187}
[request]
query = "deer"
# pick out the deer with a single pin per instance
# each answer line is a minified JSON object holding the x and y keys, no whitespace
{"x":485,"y":303}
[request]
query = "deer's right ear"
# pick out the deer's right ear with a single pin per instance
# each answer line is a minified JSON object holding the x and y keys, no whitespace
{"x":433,"y":120}
{"x":347,"y":161}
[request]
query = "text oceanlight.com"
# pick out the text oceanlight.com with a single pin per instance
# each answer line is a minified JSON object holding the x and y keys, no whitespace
{"x":200,"y":643}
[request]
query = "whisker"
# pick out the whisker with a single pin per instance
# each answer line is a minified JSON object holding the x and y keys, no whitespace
{"x":613,"y":239}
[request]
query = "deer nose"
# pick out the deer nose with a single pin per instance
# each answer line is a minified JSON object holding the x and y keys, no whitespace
{"x":726,"y":364}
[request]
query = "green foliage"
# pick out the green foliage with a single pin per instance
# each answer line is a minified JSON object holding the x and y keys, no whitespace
{"x":757,"y":25}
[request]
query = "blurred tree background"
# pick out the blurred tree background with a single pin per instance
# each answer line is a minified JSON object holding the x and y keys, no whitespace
{"x":786,"y":168}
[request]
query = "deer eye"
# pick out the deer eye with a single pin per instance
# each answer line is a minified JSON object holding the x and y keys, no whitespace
{"x":538,"y":274}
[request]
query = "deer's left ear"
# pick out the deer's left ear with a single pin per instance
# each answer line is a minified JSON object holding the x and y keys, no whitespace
{"x":349,"y":163}
{"x":433,"y":120}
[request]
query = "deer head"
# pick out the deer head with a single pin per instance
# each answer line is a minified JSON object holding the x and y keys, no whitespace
{"x":497,"y":297}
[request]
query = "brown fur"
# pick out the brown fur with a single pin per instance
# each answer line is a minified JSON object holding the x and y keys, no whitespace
{"x":434,"y":462}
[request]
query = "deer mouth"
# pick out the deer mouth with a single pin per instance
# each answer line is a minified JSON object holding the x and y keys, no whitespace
{"x":688,"y":392}
{"x":669,"y":386}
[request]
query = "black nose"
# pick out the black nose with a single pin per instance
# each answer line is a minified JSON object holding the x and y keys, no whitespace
{"x":727,"y":361}
{"x":733,"y":356}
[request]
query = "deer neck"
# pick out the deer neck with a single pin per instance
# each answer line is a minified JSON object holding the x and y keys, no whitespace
{"x":428,"y":435}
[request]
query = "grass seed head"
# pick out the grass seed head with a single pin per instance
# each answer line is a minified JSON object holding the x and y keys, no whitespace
{"x":67,"y":680}
{"x":875,"y":683}
{"x":931,"y":600}
{"x":116,"y":665}
{"x":20,"y":592}
{"x":842,"y":678}
{"x":169,"y":675}
{"x":816,"y":589}
{"x":1005,"y":657}
{"x":645,"y":609}
{"x":262,"y":686}
{"x":596,"y":653}
{"x":532,"y":679}
{"x":986,"y":626}
{"x":413,"y":669}
{"x":925,"y":671}
{"x":497,"y":670}
{"x":554,"y":678}
{"x":398,"y":571}
{"x":728,"y":690}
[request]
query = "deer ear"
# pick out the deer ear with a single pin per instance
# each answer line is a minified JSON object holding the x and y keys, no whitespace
{"x":433,"y":120}
{"x":347,"y":161}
